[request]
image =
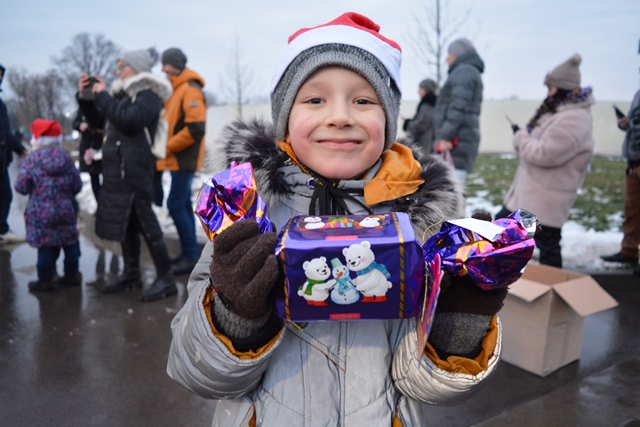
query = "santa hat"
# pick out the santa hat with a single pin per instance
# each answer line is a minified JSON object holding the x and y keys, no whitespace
{"x":351,"y":41}
{"x":45,"y":133}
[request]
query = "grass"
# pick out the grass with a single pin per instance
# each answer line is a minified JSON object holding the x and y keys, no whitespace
{"x":600,"y":200}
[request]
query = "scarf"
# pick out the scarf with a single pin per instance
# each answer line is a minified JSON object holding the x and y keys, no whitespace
{"x":550,"y":104}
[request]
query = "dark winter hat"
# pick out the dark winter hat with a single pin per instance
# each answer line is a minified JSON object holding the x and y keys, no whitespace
{"x":175,"y":57}
{"x":460,"y":46}
{"x":351,"y":41}
{"x":566,"y":75}
{"x":140,"y":60}
{"x":428,"y":85}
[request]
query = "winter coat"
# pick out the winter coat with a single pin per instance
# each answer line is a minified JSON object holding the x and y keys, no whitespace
{"x":8,"y":143}
{"x":91,"y":138}
{"x":457,"y":111}
{"x":186,"y":114}
{"x":361,"y":373}
{"x":51,"y":180}
{"x":128,"y":166}
{"x":420,"y":128}
{"x":553,"y":162}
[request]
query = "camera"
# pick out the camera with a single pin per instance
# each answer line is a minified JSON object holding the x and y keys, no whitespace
{"x":86,"y":92}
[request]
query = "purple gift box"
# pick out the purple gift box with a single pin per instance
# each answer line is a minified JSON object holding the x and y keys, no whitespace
{"x":349,"y":268}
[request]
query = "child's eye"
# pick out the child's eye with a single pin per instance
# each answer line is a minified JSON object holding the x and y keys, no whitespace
{"x":363,"y":102}
{"x":314,"y":101}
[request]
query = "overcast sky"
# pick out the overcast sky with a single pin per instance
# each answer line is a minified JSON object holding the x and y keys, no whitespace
{"x":519,"y":40}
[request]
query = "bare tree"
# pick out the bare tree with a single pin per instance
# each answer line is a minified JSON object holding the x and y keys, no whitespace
{"x":38,"y":95}
{"x":93,"y":54}
{"x":432,"y":34}
{"x":237,"y":79}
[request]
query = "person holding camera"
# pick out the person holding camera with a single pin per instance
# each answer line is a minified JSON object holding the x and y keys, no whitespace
{"x":131,"y":109}
{"x":554,"y":152}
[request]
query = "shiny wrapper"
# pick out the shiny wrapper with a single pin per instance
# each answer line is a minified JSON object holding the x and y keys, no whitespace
{"x":228,"y":197}
{"x":493,"y":254}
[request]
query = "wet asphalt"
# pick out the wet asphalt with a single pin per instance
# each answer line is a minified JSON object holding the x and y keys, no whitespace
{"x":75,"y":357}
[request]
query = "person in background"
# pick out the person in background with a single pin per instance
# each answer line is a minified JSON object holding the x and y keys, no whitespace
{"x":8,"y":145}
{"x":631,"y":151}
{"x":554,"y":152}
{"x":186,"y":114}
{"x":131,"y":108}
{"x":457,"y":112}
{"x":51,"y":181}
{"x":335,"y":100}
{"x":90,"y":150}
{"x":420,"y":127}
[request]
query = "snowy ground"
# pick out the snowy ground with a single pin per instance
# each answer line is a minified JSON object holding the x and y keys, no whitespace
{"x":581,"y":249}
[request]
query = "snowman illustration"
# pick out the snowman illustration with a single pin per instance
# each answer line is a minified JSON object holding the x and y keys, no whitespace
{"x":344,"y":292}
{"x":313,"y":223}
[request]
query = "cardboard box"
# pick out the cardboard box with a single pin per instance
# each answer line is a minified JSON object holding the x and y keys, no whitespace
{"x":543,"y":317}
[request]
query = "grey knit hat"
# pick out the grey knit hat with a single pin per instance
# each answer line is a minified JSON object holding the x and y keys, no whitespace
{"x":460,"y":46}
{"x":140,"y":60}
{"x":428,"y":85}
{"x":566,"y":75}
{"x":350,"y":41}
{"x":175,"y":57}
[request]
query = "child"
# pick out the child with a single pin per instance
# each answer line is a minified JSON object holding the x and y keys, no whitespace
{"x":335,"y":104}
{"x":51,"y":180}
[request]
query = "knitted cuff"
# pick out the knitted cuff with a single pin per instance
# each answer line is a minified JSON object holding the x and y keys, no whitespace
{"x":458,"y":334}
{"x":234,"y":326}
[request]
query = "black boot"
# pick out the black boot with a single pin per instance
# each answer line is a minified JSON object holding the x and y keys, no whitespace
{"x":130,"y":277}
{"x":41,"y":286}
{"x":165,"y":284}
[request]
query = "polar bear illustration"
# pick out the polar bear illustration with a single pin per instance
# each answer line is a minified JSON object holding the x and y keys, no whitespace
{"x":372,"y":277}
{"x":370,"y":222}
{"x":316,"y":288}
{"x":313,"y":223}
{"x":345,"y":291}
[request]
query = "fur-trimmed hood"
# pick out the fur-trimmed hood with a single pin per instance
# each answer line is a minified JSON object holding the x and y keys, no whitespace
{"x":143,"y":81}
{"x":439,"y":198}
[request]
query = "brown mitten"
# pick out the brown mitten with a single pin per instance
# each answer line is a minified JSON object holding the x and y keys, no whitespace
{"x":463,"y":313}
{"x":244,"y":268}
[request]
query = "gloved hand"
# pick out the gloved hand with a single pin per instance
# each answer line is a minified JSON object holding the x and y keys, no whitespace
{"x":244,"y":268}
{"x":515,"y":128}
{"x":463,"y":313}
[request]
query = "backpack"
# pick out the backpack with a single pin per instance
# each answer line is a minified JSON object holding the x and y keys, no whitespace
{"x":159,"y":142}
{"x":633,"y":136}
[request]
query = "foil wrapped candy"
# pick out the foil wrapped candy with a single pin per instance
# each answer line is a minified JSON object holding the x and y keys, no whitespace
{"x":493,"y":254}
{"x":230,"y":196}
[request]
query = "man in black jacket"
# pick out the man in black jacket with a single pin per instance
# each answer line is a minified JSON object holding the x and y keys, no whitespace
{"x":8,"y":144}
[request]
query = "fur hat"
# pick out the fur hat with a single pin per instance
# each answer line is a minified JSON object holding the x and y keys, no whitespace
{"x":351,"y":41}
{"x":566,"y":75}
{"x":140,"y":60}
{"x":428,"y":85}
{"x":460,"y":46}
{"x":174,"y":57}
{"x":45,"y":133}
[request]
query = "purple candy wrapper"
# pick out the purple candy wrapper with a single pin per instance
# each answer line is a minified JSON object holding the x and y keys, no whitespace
{"x":349,"y":268}
{"x":228,"y":197}
{"x":493,"y":254}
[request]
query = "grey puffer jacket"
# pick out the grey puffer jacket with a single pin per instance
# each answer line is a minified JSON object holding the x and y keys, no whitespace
{"x":361,"y":373}
{"x":457,"y":112}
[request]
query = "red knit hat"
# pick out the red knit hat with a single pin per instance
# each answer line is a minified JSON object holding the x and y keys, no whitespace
{"x":46,"y":132}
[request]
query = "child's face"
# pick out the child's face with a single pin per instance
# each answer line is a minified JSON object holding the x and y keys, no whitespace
{"x":337,"y":125}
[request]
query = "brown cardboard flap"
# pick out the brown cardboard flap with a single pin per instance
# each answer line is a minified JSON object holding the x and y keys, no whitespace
{"x":585,"y":296}
{"x":528,"y":290}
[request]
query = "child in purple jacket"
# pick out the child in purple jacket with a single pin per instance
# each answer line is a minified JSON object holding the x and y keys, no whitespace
{"x":51,"y":180}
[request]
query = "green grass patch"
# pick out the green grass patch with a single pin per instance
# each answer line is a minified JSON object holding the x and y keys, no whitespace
{"x":600,"y":200}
